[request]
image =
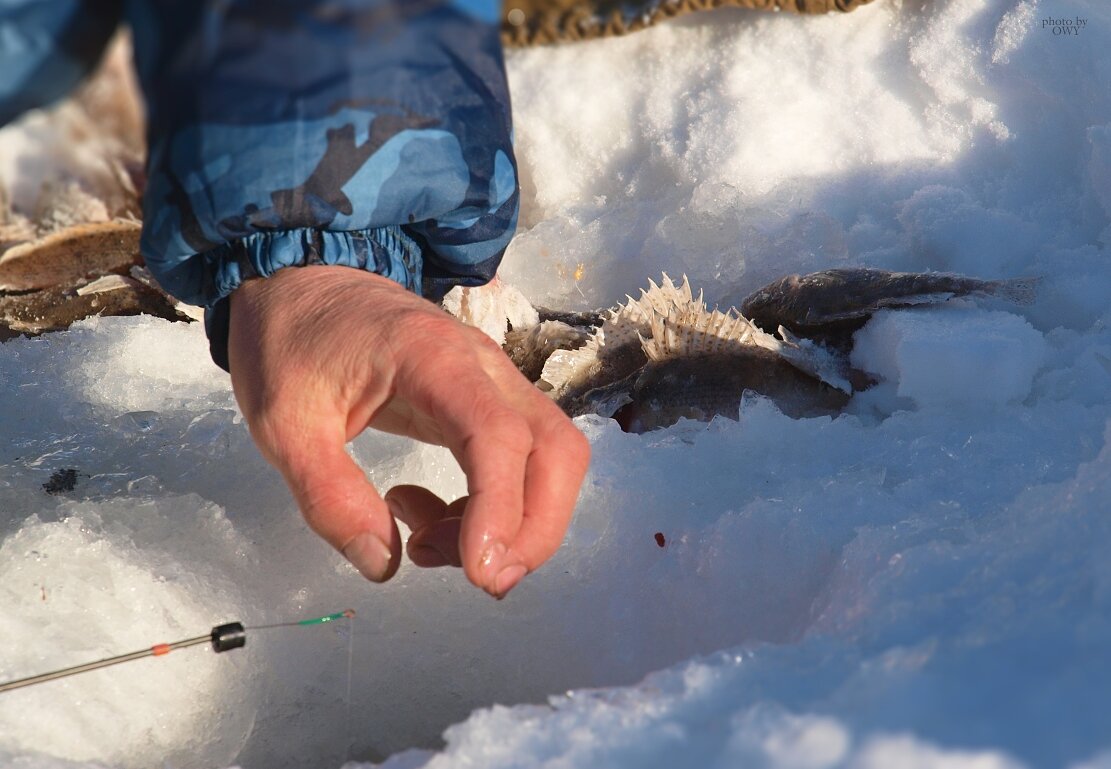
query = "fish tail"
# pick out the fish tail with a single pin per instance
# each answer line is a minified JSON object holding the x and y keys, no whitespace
{"x":1017,"y":290}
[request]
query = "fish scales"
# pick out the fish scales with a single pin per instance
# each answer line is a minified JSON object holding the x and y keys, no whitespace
{"x":712,"y":385}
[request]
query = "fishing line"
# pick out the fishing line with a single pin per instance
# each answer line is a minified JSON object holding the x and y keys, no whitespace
{"x":232,"y":635}
{"x":350,"y":664}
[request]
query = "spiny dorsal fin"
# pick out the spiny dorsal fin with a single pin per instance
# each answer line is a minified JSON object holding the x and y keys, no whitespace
{"x":565,"y":367}
{"x":693,"y":331}
{"x":669,"y":322}
{"x":624,"y":325}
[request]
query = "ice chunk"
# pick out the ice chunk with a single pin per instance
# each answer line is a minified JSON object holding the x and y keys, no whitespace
{"x":491,"y":308}
{"x":949,"y":356}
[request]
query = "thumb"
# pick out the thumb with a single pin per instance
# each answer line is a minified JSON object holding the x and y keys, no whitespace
{"x":340,"y":504}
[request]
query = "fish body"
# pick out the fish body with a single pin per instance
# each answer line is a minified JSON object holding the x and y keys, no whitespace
{"x":665,"y":356}
{"x":614,"y":350}
{"x":57,"y":307}
{"x":587,"y":319}
{"x":842,"y":300}
{"x":705,"y":386}
{"x":589,"y":368}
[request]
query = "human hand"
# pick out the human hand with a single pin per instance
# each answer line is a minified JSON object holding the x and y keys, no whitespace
{"x":320,"y":353}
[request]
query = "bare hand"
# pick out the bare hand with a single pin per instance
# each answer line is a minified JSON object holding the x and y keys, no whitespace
{"x":319,"y":353}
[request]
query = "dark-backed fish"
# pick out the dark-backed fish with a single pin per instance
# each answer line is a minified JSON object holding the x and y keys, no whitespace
{"x":702,"y":387}
{"x":842,"y":300}
{"x":665,"y":356}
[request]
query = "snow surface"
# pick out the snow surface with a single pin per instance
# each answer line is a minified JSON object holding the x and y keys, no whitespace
{"x":950,"y":357}
{"x":922,"y":582}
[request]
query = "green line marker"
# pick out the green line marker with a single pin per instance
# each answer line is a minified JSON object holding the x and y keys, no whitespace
{"x":345,"y":614}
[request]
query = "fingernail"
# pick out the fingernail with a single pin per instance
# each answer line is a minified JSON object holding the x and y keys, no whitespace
{"x":508,"y":578}
{"x":501,"y":571}
{"x":370,"y":555}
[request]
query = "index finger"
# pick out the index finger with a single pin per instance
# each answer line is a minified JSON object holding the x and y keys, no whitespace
{"x":554,"y":473}
{"x":492,"y":442}
{"x":554,"y":469}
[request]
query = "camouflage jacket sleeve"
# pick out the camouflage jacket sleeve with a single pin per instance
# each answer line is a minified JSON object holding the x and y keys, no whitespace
{"x":368,"y":133}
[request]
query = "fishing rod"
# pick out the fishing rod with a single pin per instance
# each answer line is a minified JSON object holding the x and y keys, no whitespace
{"x":232,"y":635}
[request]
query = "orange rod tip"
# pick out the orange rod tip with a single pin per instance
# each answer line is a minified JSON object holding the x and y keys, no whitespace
{"x":349,"y":613}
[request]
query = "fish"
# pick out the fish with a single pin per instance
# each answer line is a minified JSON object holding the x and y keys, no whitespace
{"x":613,"y":351}
{"x":832,"y":304}
{"x":666,"y":356}
{"x":703,"y":387}
{"x":49,"y":282}
{"x":56,"y":308}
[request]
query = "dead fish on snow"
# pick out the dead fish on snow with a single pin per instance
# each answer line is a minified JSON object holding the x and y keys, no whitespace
{"x":665,"y":356}
{"x":701,"y":385}
{"x":837,"y":302}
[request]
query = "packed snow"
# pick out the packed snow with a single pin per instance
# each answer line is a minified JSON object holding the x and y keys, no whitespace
{"x":920,"y":582}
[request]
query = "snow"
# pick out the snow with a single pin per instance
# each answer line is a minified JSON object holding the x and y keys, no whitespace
{"x":921,"y":581}
{"x":950,"y":357}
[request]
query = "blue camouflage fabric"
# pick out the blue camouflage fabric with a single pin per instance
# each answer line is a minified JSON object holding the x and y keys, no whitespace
{"x":368,"y":133}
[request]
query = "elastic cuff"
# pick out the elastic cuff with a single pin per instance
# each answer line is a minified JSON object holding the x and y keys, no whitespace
{"x":386,"y":251}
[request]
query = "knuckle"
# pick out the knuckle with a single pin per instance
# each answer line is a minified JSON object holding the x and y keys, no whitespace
{"x":508,"y":429}
{"x":483,"y":342}
{"x":562,"y":429}
{"x":429,"y":326}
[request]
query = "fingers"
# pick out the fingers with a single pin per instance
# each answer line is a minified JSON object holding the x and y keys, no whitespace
{"x":554,"y":474}
{"x":437,"y":544}
{"x":338,"y":502}
{"x":525,"y":462}
{"x":311,"y":371}
{"x":435,"y":525}
{"x":491,"y":441}
{"x":494,"y":455}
